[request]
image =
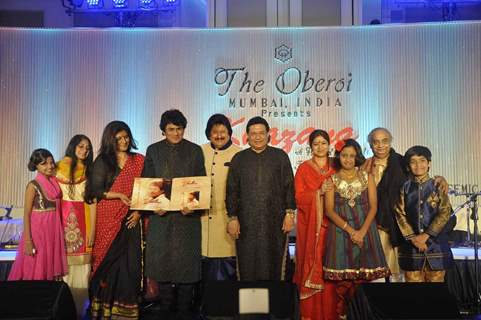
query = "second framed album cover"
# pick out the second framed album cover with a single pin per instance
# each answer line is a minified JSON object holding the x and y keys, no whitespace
{"x":155,"y":194}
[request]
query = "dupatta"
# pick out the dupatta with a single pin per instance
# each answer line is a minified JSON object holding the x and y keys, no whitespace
{"x":50,"y":187}
{"x":311,"y":227}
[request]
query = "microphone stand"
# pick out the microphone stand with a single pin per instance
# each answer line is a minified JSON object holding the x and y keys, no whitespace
{"x":6,"y":217}
{"x":468,"y":236}
{"x":473,"y":198}
{"x":465,"y":204}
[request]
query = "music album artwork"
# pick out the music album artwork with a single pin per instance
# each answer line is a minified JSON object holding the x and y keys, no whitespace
{"x":156,"y":194}
{"x":192,"y":193}
{"x":151,"y":194}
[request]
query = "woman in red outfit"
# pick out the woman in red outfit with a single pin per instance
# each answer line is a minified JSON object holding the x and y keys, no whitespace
{"x":318,"y":296}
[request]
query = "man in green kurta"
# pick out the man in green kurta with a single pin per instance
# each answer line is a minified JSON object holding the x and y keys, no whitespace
{"x":260,"y":204}
{"x":173,"y":239}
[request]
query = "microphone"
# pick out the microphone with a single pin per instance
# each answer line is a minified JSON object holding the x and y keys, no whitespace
{"x":8,"y":211}
{"x":456,"y":193}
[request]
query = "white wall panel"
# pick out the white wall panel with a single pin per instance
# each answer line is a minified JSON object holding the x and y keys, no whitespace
{"x":422,"y":82}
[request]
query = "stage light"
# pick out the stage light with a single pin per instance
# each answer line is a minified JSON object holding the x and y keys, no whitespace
{"x":147,"y":4}
{"x":95,"y":3}
{"x":125,"y":12}
{"x":170,"y":3}
{"x":119,"y":3}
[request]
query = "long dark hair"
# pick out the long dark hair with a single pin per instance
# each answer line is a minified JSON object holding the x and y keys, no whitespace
{"x":108,"y":153}
{"x":108,"y":145}
{"x":70,"y":152}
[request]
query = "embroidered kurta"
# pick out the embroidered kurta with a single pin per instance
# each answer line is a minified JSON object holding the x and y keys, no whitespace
{"x":216,"y":242}
{"x":260,"y":188}
{"x":77,"y":228}
{"x":344,"y":260}
{"x":75,"y":213}
{"x":423,"y":209}
{"x":173,"y":241}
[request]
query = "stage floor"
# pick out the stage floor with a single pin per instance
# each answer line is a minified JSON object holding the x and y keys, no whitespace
{"x":459,"y":253}
{"x":459,"y":279}
{"x":464,"y":253}
{"x":7,"y":255}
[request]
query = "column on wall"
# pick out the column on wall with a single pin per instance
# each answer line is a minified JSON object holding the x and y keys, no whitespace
{"x":283,"y":13}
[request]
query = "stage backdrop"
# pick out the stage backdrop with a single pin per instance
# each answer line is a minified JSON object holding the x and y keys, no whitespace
{"x":423,"y":82}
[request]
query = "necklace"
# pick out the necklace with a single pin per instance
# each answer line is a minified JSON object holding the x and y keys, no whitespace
{"x":348,"y":175}
{"x":322,"y":169}
{"x":350,"y":192}
{"x":121,"y":159}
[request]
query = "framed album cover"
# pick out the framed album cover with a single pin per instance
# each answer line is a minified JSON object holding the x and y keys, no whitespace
{"x":155,"y":194}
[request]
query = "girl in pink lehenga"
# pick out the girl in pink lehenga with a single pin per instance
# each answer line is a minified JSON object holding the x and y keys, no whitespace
{"x":41,"y":253}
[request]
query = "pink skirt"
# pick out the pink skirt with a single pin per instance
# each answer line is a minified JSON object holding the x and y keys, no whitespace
{"x":49,"y":260}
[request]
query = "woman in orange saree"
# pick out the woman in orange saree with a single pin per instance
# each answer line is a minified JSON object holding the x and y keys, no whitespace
{"x":317,"y":295}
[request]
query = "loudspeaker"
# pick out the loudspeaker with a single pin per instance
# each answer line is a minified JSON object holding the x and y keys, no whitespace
{"x":36,"y":300}
{"x":221,"y":298}
{"x":403,"y":301}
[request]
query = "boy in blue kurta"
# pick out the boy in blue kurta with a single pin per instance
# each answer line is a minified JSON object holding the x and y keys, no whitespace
{"x":422,"y":214}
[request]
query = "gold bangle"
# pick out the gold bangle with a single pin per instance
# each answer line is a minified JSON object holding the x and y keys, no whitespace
{"x":344,"y":226}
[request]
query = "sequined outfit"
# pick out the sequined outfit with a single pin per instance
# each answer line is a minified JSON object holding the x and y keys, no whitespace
{"x":343,"y":259}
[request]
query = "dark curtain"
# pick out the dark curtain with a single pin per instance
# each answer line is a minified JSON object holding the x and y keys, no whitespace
{"x":5,"y":267}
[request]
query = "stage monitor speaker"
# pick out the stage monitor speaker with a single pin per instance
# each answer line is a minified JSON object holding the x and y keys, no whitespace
{"x":36,"y":300}
{"x":221,"y":299}
{"x":411,"y":301}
